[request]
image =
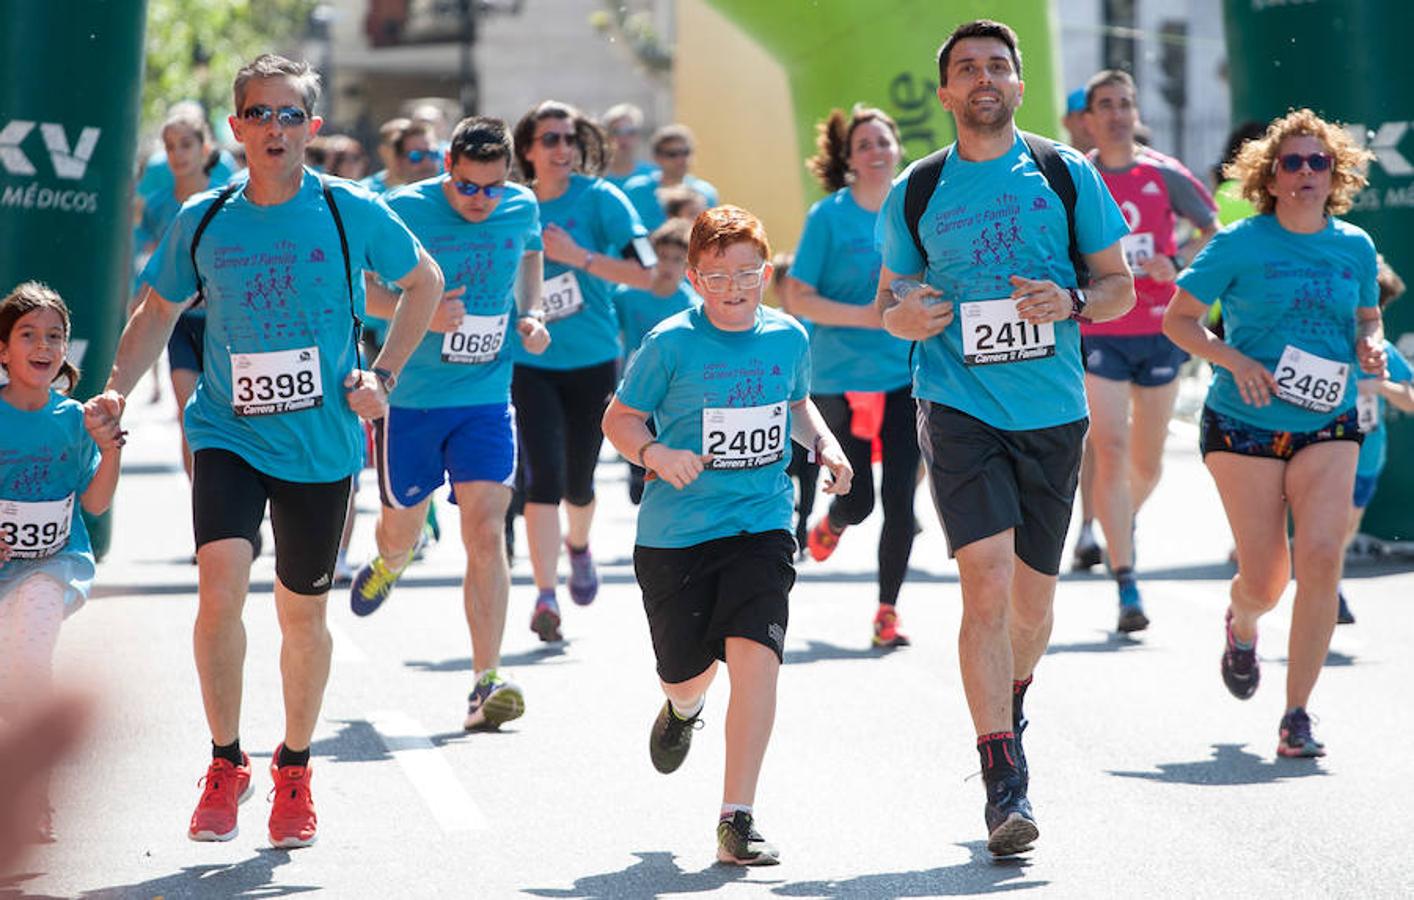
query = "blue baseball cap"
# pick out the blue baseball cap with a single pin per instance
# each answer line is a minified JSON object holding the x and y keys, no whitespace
{"x":1075,"y":101}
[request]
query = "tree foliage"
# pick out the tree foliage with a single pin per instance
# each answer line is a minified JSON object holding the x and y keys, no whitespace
{"x":194,"y":47}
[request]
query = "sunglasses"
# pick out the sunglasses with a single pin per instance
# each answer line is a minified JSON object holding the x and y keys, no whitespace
{"x":1292,"y":162}
{"x":471,"y":188}
{"x":417,"y":156}
{"x":625,"y":132}
{"x":287,"y":116}
{"x":678,"y":153}
{"x":552,"y":139}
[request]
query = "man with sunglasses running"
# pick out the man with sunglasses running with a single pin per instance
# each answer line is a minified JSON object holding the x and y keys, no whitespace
{"x":279,"y":260}
{"x":450,"y":415}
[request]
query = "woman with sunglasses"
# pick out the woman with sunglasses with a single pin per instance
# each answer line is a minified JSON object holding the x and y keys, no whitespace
{"x":593,"y":239}
{"x":832,"y":284}
{"x":1279,"y":430}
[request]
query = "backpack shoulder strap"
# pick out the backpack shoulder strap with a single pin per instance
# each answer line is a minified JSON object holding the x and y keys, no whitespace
{"x":922,"y":181}
{"x":226,"y":193}
{"x":1058,"y":176}
{"x":348,"y":264}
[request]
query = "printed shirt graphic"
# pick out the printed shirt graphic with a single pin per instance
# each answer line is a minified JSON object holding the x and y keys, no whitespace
{"x":1375,"y":448}
{"x":639,"y":311}
{"x":837,"y":258}
{"x":48,"y":455}
{"x":483,"y":257}
{"x":1152,"y":194}
{"x":274,"y":281}
{"x":642,"y":192}
{"x":1280,"y":288}
{"x":686,"y":365}
{"x":602,"y":221}
{"x":986,"y":222}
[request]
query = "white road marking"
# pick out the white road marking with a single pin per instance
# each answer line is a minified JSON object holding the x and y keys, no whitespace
{"x":429,"y":772}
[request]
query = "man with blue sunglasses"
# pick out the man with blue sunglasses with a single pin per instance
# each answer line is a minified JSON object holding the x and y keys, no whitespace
{"x":450,"y":414}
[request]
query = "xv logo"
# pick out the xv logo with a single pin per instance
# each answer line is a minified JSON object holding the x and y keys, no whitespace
{"x":68,"y":162}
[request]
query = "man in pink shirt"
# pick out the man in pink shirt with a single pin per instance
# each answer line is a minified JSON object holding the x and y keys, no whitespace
{"x":1131,"y":375}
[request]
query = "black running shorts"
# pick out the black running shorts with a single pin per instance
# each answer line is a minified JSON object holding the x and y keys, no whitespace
{"x":696,"y":597}
{"x":985,"y":480}
{"x":228,"y":501}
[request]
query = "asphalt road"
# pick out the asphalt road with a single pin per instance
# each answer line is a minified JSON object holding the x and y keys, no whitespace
{"x":1148,"y":779}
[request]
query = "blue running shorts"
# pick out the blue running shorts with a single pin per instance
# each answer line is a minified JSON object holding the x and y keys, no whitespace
{"x":419,"y":449}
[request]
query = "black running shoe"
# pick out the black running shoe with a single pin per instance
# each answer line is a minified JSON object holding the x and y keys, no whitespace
{"x":671,"y":738}
{"x":740,"y":844}
{"x":1011,"y":826}
{"x":1086,"y":556}
{"x":1296,"y":739}
{"x":1241,"y":670}
{"x":1344,"y":616}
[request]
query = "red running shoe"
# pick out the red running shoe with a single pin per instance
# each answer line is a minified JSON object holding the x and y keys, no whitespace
{"x":823,"y":539}
{"x":292,"y":819}
{"x":227,"y":787}
{"x":886,"y":633}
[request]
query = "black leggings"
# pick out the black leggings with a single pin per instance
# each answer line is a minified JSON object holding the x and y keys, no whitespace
{"x":899,"y":436}
{"x":559,"y":415}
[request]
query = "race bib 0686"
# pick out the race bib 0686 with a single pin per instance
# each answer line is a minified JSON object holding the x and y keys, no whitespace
{"x":476,"y":341}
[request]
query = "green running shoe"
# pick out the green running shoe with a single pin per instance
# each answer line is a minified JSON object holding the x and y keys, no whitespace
{"x":671,"y":738}
{"x":740,"y":844}
{"x":493,"y":702}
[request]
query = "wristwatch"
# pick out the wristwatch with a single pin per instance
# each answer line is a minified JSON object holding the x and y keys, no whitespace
{"x":387,"y":378}
{"x":1078,"y":302}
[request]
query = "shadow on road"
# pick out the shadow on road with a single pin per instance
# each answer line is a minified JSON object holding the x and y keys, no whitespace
{"x":251,"y":878}
{"x":357,"y":741}
{"x":550,"y":653}
{"x":1113,"y":642}
{"x":656,"y":873}
{"x":823,"y":651}
{"x":1229,"y":765}
{"x":983,"y":874}
{"x":869,"y":576}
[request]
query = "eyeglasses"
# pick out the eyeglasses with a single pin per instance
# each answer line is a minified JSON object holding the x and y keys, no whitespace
{"x":720,"y":282}
{"x":471,"y":188}
{"x":1292,"y":162}
{"x":552,"y":139}
{"x":417,"y":156}
{"x":287,"y":116}
{"x":676,"y":153}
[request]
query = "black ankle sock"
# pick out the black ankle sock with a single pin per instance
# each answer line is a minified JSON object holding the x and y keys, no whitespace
{"x":1124,"y":575}
{"x":231,"y":752}
{"x":288,"y":757}
{"x":997,"y":753}
{"x":1018,"y":697}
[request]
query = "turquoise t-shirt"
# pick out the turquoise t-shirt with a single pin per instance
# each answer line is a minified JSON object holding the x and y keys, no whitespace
{"x":986,"y":222}
{"x":482,"y":257}
{"x":642,"y":192}
{"x":1280,"y":288}
{"x":1375,"y":448}
{"x":601,"y":220}
{"x":377,"y":182}
{"x":47,"y":455}
{"x":642,"y":167}
{"x":687,"y":365}
{"x":157,"y":174}
{"x":277,"y":297}
{"x":837,"y":258}
{"x":639,"y":311}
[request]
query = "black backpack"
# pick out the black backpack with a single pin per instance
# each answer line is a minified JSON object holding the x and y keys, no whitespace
{"x":924,"y":178}
{"x":226,"y":194}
